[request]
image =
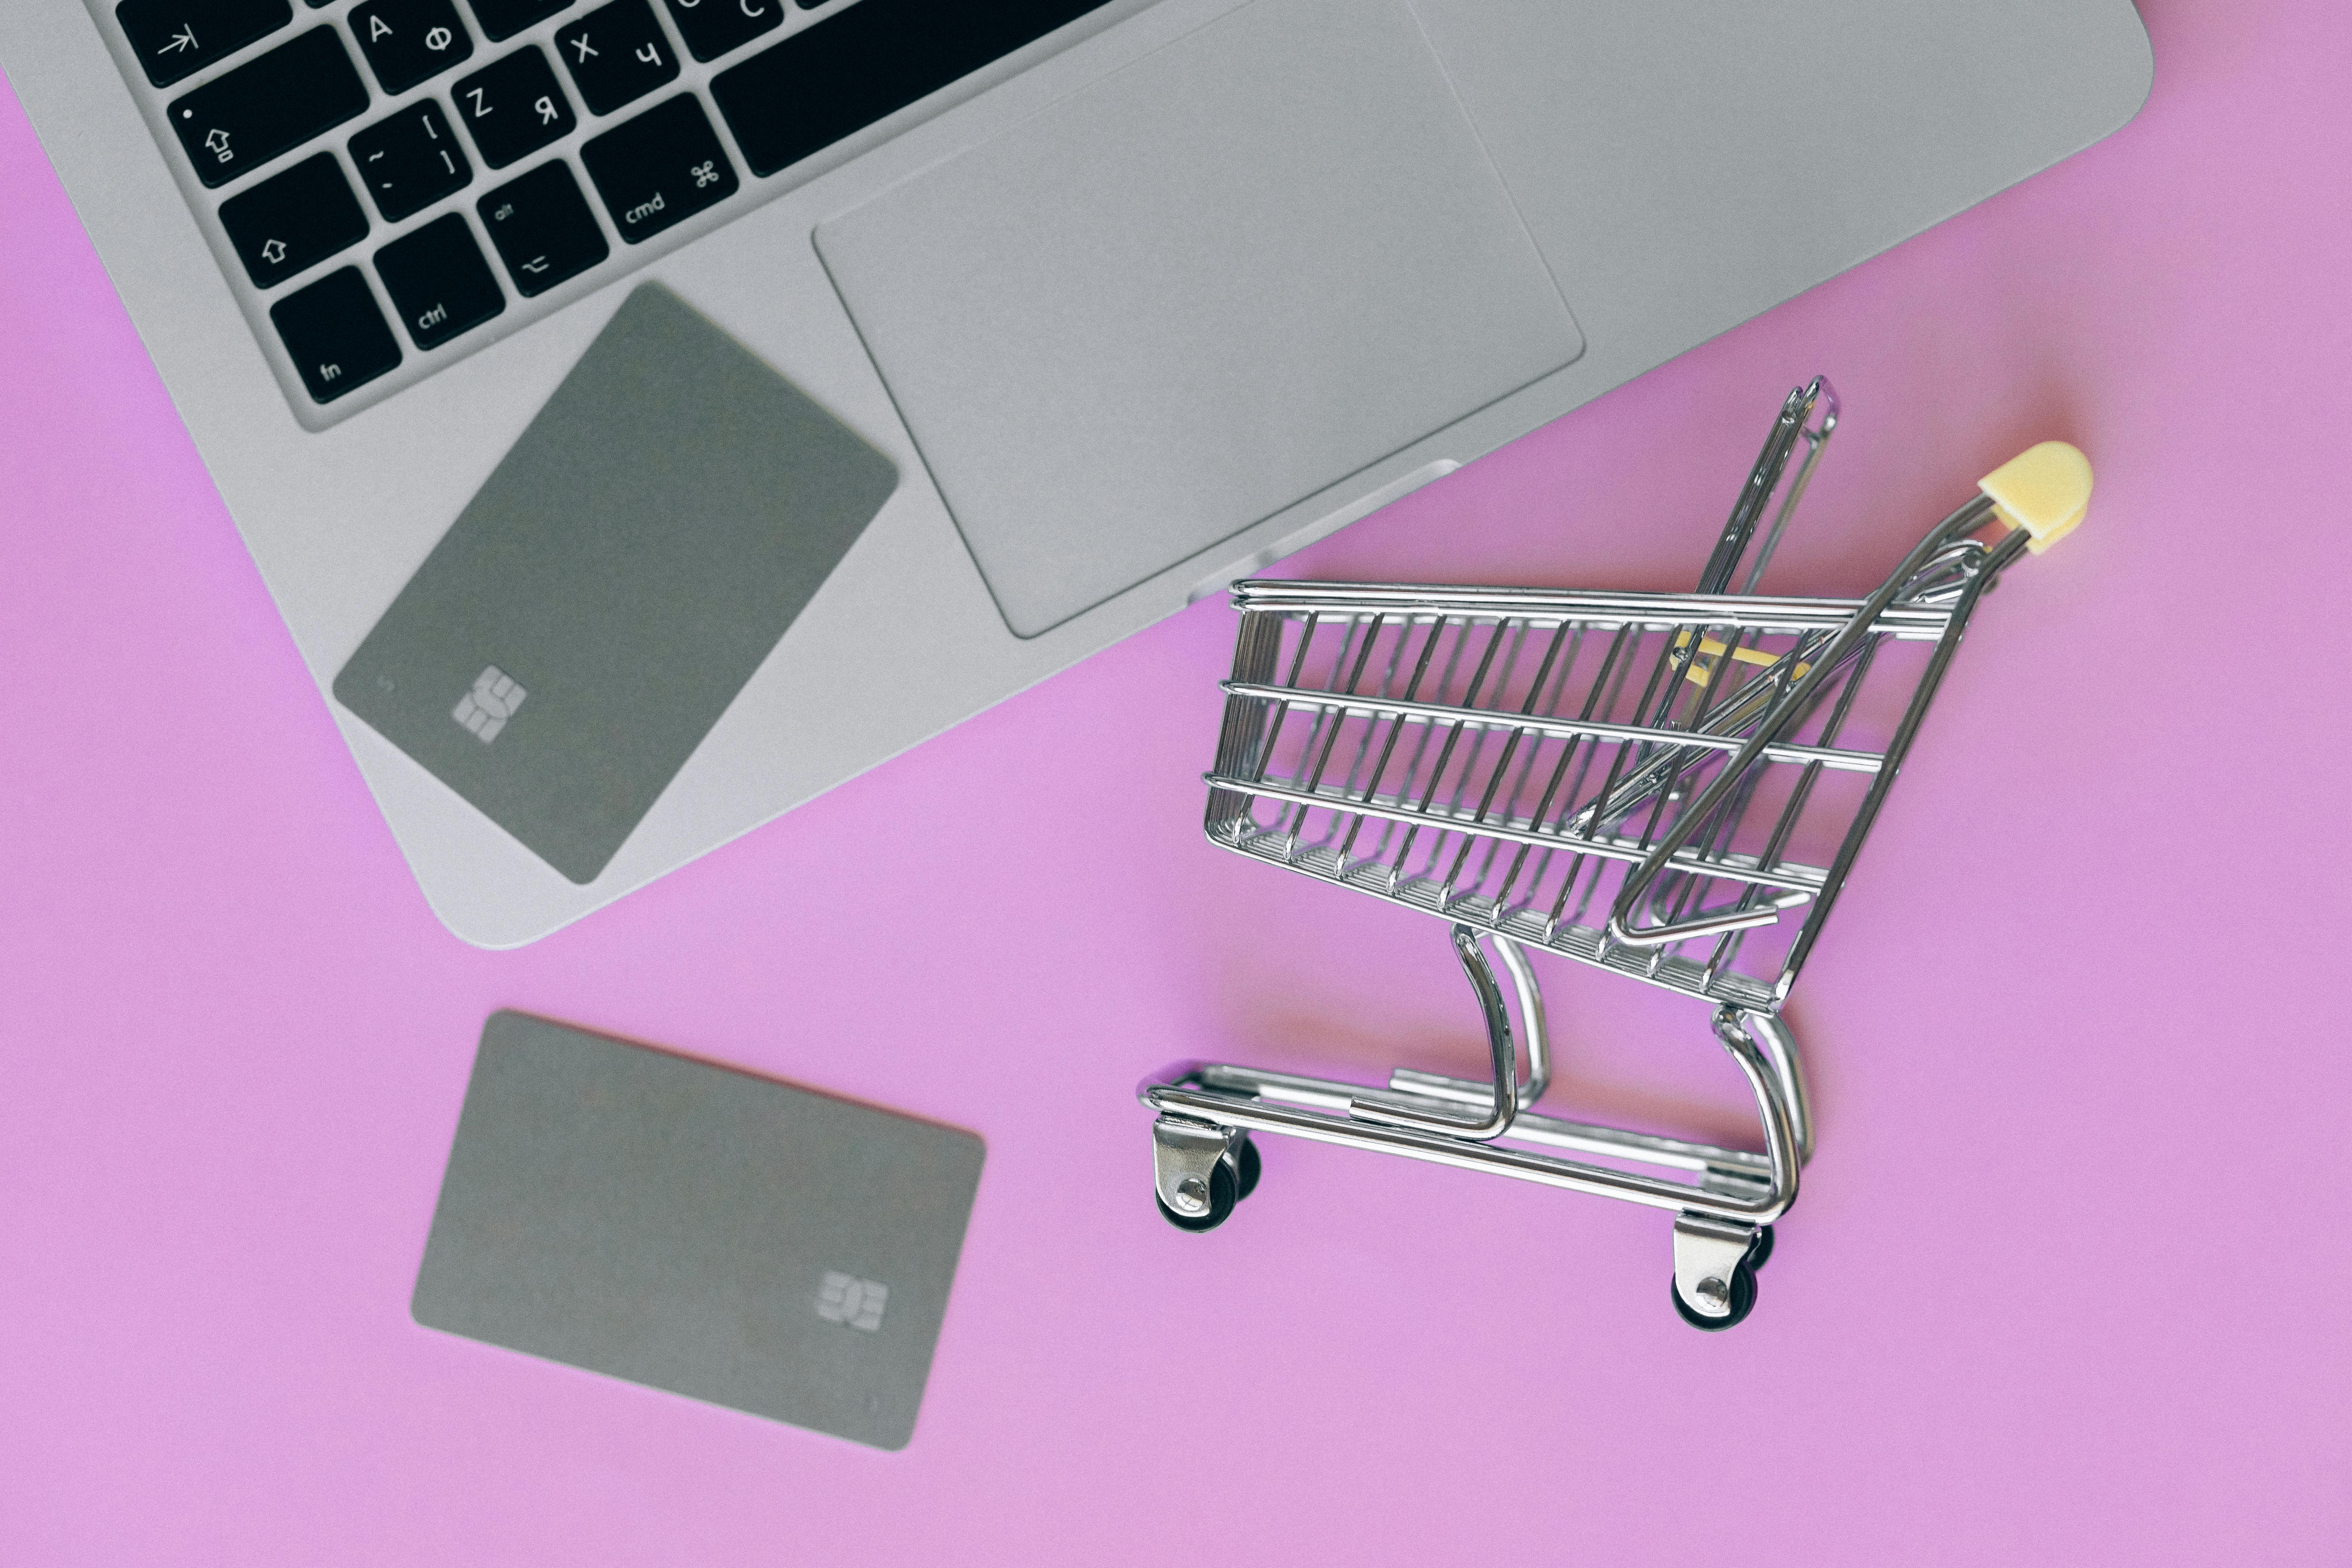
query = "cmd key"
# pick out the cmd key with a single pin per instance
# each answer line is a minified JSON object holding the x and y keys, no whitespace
{"x":250,"y":115}
{"x":659,"y":169}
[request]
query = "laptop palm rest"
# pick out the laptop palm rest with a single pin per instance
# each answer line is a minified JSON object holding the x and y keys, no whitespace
{"x":1201,"y":289}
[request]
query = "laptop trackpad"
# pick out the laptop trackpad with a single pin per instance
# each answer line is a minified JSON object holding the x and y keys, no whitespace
{"x":1199,"y":292}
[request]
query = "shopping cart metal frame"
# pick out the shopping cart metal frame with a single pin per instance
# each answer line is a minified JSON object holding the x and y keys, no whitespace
{"x":1734,"y":680}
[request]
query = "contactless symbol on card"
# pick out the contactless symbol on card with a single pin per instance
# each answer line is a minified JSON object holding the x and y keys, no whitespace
{"x":485,"y":708}
{"x":845,"y":1298}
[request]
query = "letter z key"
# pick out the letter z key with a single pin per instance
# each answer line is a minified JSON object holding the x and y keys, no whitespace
{"x":512,"y":107}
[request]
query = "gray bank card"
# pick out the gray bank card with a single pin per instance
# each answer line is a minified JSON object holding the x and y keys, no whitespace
{"x":698,"y":1229}
{"x":615,"y":582}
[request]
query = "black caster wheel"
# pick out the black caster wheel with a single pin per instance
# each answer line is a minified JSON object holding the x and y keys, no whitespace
{"x":1224,"y":1193}
{"x":1743,"y":1301}
{"x":1758,"y":1250}
{"x":1251,"y":1166}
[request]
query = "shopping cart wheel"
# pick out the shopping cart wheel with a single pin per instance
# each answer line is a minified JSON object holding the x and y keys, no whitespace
{"x":1743,"y":1301}
{"x":1223,"y":1193}
{"x":1758,"y":1250}
{"x":1250,"y":1167}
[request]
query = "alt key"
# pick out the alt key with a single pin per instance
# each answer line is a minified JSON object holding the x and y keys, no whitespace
{"x":542,"y":228}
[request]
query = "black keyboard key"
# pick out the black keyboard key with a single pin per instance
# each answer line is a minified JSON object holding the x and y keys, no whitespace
{"x":408,"y":41}
{"x":292,"y":220}
{"x":711,"y":28}
{"x":410,"y":161}
{"x":875,"y":58}
{"x":513,"y":107}
{"x":505,"y":18}
{"x":438,"y":281}
{"x":174,"y":38}
{"x":659,"y":169}
{"x":336,"y":334}
{"x":542,"y":228}
{"x":247,"y":117}
{"x":616,"y":55}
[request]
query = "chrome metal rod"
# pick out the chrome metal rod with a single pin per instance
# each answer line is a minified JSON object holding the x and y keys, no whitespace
{"x":1436,"y":1148}
{"x":1503,"y":1092}
{"x":1322,"y":1093}
{"x":1558,"y":729}
{"x":1776,"y":1170}
{"x":1898,"y":744}
{"x":1789,"y":876}
{"x":1636,"y":886}
{"x":1588,"y":1138}
{"x":1532,"y":1022}
{"x":1544,"y":606}
{"x":1779,"y":443}
{"x":1817,"y":440}
{"x":1778,"y":1043}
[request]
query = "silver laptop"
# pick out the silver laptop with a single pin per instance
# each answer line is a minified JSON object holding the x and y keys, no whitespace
{"x":649,"y":414}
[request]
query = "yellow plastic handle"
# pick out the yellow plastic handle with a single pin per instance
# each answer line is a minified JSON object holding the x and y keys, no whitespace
{"x":2043,"y":490}
{"x":1702,"y":668}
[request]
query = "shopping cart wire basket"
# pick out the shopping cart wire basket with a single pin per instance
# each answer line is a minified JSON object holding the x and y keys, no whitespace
{"x":1671,"y":787}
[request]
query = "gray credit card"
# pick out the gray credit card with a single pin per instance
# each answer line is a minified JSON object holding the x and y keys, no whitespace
{"x":615,"y":582}
{"x":698,"y":1229}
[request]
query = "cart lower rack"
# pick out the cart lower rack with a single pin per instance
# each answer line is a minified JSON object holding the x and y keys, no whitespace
{"x":1669,"y":786}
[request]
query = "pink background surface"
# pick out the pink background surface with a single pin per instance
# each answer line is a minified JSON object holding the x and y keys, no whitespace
{"x":2069,"y":1279}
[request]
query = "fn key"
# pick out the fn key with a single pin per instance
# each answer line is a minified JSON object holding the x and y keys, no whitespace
{"x":336,"y":334}
{"x":659,"y":169}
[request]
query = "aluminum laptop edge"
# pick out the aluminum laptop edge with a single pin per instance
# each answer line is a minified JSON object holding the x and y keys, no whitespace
{"x":1058,"y":296}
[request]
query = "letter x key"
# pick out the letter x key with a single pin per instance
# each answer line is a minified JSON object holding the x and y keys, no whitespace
{"x":616,"y":55}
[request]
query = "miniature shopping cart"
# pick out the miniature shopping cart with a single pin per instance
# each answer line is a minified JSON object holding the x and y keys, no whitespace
{"x":1668,"y":786}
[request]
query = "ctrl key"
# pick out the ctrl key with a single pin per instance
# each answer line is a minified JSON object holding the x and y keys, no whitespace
{"x":336,"y":334}
{"x":438,"y":281}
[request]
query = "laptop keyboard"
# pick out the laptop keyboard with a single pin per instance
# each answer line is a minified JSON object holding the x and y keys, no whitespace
{"x":385,"y":179}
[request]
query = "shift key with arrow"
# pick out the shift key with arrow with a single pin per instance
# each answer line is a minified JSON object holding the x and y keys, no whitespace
{"x":292,"y":221}
{"x":246,"y":117}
